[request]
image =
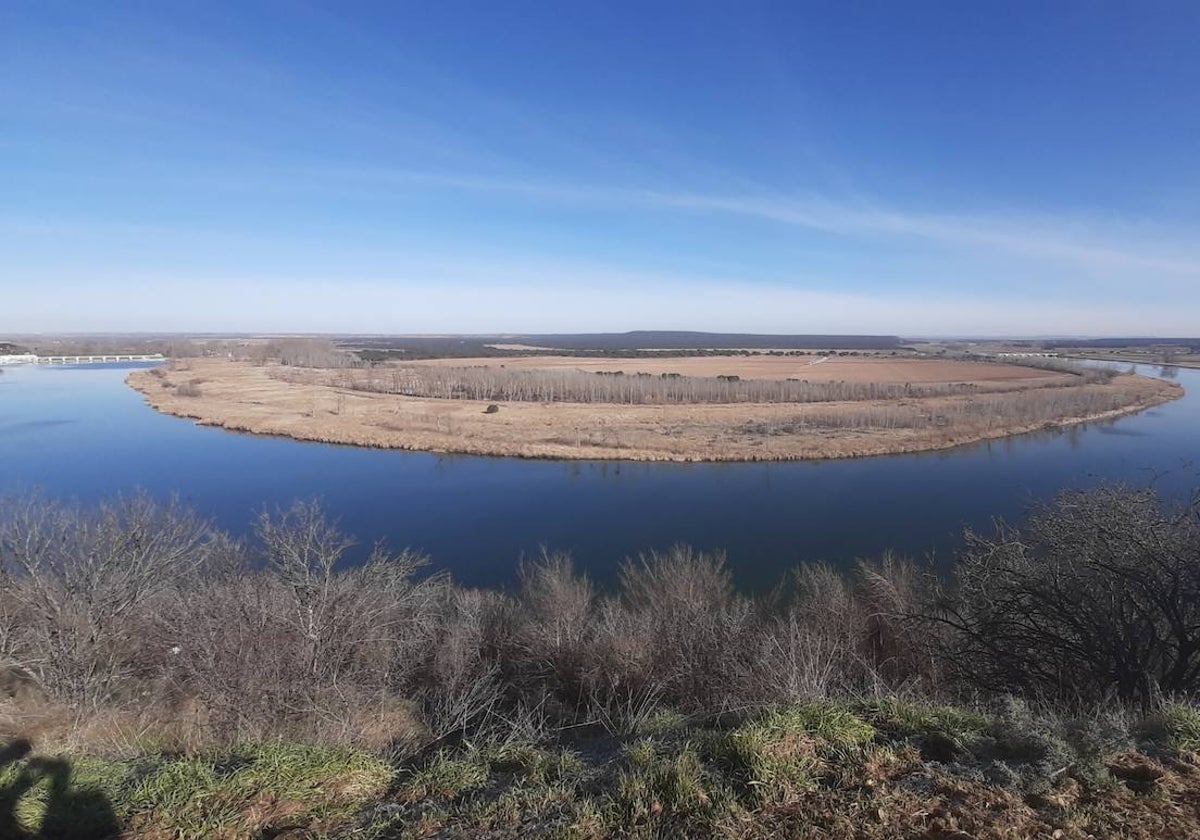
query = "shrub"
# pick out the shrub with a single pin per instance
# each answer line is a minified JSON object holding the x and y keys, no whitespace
{"x":85,"y":584}
{"x":139,"y":608}
{"x":1098,"y":596}
{"x":679,"y":625}
{"x":1034,"y":753}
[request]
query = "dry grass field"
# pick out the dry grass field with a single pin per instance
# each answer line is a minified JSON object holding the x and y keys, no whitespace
{"x":858,"y":369}
{"x":311,"y":405}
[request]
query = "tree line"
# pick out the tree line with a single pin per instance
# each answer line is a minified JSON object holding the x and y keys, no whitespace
{"x":980,"y":413}
{"x":499,"y":384}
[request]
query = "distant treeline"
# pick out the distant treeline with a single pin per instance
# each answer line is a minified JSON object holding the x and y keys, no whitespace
{"x":631,"y":344}
{"x":671,"y":340}
{"x":1193,"y":344}
{"x":101,"y":345}
{"x":477,"y":351}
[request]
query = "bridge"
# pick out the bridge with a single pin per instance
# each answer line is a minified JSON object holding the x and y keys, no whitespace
{"x":30,"y":359}
{"x":99,"y":360}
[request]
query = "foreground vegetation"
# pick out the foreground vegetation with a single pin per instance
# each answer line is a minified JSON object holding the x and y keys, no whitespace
{"x":877,"y":768}
{"x":166,"y":680}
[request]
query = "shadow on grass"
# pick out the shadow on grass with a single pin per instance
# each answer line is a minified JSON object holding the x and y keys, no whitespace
{"x":70,"y":814}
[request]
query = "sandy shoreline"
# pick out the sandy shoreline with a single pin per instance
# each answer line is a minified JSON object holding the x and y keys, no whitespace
{"x":241,"y":397}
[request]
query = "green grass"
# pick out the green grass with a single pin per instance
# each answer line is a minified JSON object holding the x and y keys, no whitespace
{"x":59,"y":797}
{"x":809,"y":769}
{"x":1175,"y":727}
{"x":444,"y":778}
{"x":664,"y":722}
{"x":227,"y":794}
{"x":830,"y":722}
{"x":508,"y":788}
{"x":897,"y":718}
{"x":942,"y":732}
{"x":669,"y":793}
{"x":534,"y":764}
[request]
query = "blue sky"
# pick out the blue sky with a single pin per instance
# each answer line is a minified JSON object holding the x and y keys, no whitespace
{"x":904,"y":168}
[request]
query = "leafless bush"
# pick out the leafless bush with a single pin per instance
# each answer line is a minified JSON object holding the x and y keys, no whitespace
{"x":285,"y":636}
{"x":249,"y":662}
{"x":458,"y":685}
{"x":558,"y":608}
{"x":680,"y":623}
{"x":850,"y":633}
{"x":78,"y":579}
{"x":140,"y":605}
{"x":893,"y":594}
{"x":1099,"y":595}
{"x":817,"y":638}
{"x":315,"y":640}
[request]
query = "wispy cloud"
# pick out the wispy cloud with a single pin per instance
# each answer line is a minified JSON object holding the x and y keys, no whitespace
{"x":1039,"y":238}
{"x":1102,"y":246}
{"x":466,"y":295}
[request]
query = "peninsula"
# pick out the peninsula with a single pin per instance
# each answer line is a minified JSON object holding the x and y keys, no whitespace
{"x":759,"y":407}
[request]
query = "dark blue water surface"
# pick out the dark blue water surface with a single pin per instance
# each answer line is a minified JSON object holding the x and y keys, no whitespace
{"x":81,"y":433}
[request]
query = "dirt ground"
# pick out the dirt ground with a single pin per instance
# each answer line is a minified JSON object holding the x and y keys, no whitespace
{"x":242,"y":397}
{"x":880,"y":369}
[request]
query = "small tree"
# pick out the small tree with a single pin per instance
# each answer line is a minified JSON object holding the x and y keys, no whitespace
{"x":305,"y":550}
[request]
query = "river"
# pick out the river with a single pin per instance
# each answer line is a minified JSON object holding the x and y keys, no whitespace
{"x":81,"y":433}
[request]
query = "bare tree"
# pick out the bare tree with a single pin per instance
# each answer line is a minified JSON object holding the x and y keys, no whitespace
{"x":80,"y":576}
{"x":305,"y":550}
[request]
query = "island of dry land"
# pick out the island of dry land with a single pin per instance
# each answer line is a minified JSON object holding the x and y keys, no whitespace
{"x":710,"y":408}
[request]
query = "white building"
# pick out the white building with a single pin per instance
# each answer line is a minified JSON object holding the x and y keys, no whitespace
{"x":22,"y":359}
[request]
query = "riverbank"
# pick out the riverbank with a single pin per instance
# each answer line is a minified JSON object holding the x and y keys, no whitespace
{"x":239,"y":396}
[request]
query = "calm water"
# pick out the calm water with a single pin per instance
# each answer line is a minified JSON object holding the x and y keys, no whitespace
{"x":81,"y":433}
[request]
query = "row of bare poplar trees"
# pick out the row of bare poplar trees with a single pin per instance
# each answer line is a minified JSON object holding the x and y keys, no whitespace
{"x":981,"y":413}
{"x":497,"y":384}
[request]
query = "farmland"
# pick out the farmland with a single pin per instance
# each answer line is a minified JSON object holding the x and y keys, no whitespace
{"x":817,"y":367}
